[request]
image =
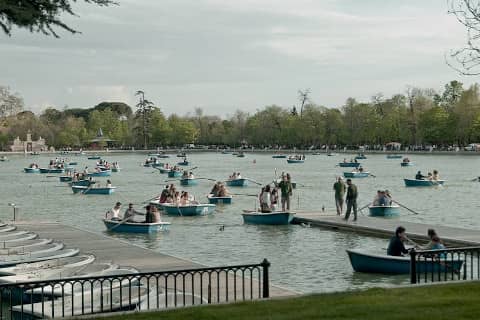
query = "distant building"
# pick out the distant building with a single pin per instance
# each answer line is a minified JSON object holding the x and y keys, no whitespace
{"x":100,"y":141}
{"x":28,"y":145}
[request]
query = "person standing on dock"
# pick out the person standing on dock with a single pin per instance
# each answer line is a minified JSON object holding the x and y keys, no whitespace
{"x":286,"y":190}
{"x":340,"y":189}
{"x":352,"y":194}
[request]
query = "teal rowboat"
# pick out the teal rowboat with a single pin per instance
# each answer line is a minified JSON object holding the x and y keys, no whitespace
{"x":188,"y":210}
{"x":83,"y":183}
{"x":174,"y":173}
{"x":88,"y":190}
{"x":271,"y":218}
{"x":279,"y":156}
{"x":384,"y":211}
{"x":406,"y":164}
{"x":183,"y":163}
{"x":423,"y":183}
{"x":295,"y":161}
{"x":219,"y":200}
{"x":102,"y":173}
{"x":237,"y":182}
{"x":188,"y":182}
{"x":394,"y":156}
{"x":135,"y":227}
{"x":354,"y":174}
{"x":378,"y":263}
{"x":65,"y":178}
{"x":349,"y":164}
{"x":31,"y":170}
{"x":55,"y":170}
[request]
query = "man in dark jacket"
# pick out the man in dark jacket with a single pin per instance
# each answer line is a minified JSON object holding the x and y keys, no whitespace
{"x":396,"y":247}
{"x":351,"y":200}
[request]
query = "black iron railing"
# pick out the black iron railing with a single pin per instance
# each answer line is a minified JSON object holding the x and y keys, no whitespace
{"x":444,"y":265}
{"x":137,"y":291}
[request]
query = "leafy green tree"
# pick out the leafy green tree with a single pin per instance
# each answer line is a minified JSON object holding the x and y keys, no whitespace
{"x":435,"y":126}
{"x":10,"y":104}
{"x":182,"y":131}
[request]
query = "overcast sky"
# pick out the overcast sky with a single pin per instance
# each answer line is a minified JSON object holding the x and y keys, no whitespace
{"x":224,"y":55}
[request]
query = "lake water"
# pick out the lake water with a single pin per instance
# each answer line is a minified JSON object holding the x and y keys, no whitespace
{"x":303,"y":259}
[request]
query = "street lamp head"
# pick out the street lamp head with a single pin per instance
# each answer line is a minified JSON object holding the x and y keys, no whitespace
{"x":11,"y":204}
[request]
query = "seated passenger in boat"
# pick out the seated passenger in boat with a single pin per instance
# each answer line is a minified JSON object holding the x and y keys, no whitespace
{"x":376,"y":199}
{"x":388,"y":197}
{"x":429,"y":176}
{"x":396,"y":246}
{"x":383,"y":200}
{"x":222,"y":191}
{"x":435,"y":175}
{"x":164,"y":195}
{"x":185,"y":174}
{"x":191,"y":176}
{"x":114,"y":213}
{"x":238,"y":176}
{"x":109,"y":184}
{"x":419,"y":176}
{"x":274,"y":199}
{"x":406,"y":160}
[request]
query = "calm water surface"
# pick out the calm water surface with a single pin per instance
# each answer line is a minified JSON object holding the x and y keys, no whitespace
{"x":303,"y":259}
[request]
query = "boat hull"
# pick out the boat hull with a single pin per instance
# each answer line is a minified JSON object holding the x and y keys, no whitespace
{"x":422,"y":183}
{"x":115,"y":169}
{"x":131,"y":227}
{"x":295,"y":161}
{"x":394,"y":156}
{"x":406,"y":164}
{"x":279,"y":156}
{"x":373,"y":263}
{"x":361,"y":158}
{"x":184,"y":163}
{"x":188,"y":182}
{"x":273,"y":218}
{"x":219,"y":200}
{"x":356,"y":174}
{"x":237,"y":183}
{"x":31,"y":170}
{"x":190,"y":210}
{"x":82,"y":183}
{"x":349,"y":164}
{"x":65,"y":178}
{"x":174,"y":174}
{"x":45,"y":170}
{"x":94,"y":158}
{"x":103,"y":173}
{"x":87,"y":190}
{"x":384,"y":211}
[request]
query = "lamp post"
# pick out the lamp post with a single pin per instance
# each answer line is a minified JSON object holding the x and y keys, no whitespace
{"x":14,"y":210}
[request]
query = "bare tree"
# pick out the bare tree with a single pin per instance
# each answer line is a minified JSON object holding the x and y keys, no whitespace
{"x":304,"y":98}
{"x":466,"y":60}
{"x":144,"y":109}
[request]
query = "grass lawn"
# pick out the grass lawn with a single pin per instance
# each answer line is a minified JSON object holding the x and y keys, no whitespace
{"x":450,"y":301}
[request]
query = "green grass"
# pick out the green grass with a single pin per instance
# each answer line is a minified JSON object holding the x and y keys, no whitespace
{"x":452,"y":301}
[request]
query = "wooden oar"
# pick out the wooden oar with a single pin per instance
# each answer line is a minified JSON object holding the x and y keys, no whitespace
{"x":476,"y":179}
{"x":260,"y":184}
{"x":244,"y":194}
{"x":364,"y":207}
{"x":372,"y":175}
{"x":401,"y":205}
{"x":119,"y":223}
{"x":206,"y":179}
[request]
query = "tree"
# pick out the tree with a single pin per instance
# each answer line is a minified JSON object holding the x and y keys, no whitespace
{"x":10,"y":104}
{"x":144,"y":109}
{"x":39,"y":15}
{"x":466,"y":60}
{"x":304,"y":98}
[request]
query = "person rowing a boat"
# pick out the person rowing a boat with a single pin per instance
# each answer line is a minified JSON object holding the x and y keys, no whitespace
{"x":419,"y":176}
{"x":396,"y":246}
{"x":130,"y":213}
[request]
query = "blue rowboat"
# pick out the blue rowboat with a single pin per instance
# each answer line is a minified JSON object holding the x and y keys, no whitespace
{"x":422,"y":183}
{"x":188,"y":182}
{"x":271,"y":218}
{"x":219,"y":200}
{"x":65,"y":178}
{"x":55,"y":170}
{"x":117,"y":169}
{"x":157,"y":164}
{"x":174,"y":173}
{"x":88,"y":190}
{"x":361,"y":157}
{"x":394,"y":156}
{"x":94,"y":158}
{"x":378,"y":263}
{"x":353,"y":174}
{"x":135,"y":227}
{"x":188,"y":210}
{"x":349,"y":164}
{"x":331,"y":154}
{"x":237,"y":183}
{"x":406,"y":164}
{"x":183,"y":163}
{"x":279,"y":156}
{"x":163,"y":170}
{"x":295,"y":161}
{"x":241,"y":155}
{"x":384,"y":211}
{"x":82,"y":183}
{"x":72,"y":163}
{"x":102,"y":173}
{"x":31,"y":170}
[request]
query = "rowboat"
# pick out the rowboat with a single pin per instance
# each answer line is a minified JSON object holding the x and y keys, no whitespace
{"x":163,"y":170}
{"x":331,"y":154}
{"x":237,"y":182}
{"x":65,"y":178}
{"x":6,"y":261}
{"x":380,"y":263}
{"x":279,"y":156}
{"x":94,"y":157}
{"x":35,"y":153}
{"x":295,"y":161}
{"x":7,"y":228}
{"x":84,"y":183}
{"x":73,"y":163}
{"x":48,"y":247}
{"x":422,"y":183}
{"x":17,"y":239}
{"x":188,"y":210}
{"x":360,"y":157}
{"x":271,"y":218}
{"x":384,"y":211}
{"x":218,"y":200}
{"x":89,"y":190}
{"x":117,"y":169}
{"x":183,"y":163}
{"x":241,"y":155}
{"x":157,"y":164}
{"x":406,"y":164}
{"x":9,"y":236}
{"x":56,"y":263}
{"x":23,"y":244}
{"x":3,"y":158}
{"x":101,"y":173}
{"x":349,"y":164}
{"x":394,"y":156}
{"x":188,"y":182}
{"x":95,"y":301}
{"x":53,"y":170}
{"x":31,"y":170}
{"x":181,"y":155}
{"x":135,"y":227}
{"x":356,"y":174}
{"x":174,"y":173}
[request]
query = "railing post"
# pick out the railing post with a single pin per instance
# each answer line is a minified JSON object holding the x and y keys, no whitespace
{"x":413,"y":266}
{"x":266,"y":282}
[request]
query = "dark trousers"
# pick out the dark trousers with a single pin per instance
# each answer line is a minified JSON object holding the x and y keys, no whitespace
{"x":351,"y":203}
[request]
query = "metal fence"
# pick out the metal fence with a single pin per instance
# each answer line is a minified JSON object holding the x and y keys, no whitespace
{"x":444,"y":265}
{"x":137,"y":291}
